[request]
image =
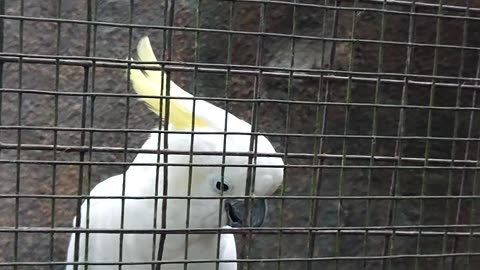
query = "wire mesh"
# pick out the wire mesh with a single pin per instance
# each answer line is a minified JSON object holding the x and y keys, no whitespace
{"x":371,"y":104}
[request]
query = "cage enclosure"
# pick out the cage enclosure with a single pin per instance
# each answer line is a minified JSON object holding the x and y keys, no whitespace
{"x":371,"y":105}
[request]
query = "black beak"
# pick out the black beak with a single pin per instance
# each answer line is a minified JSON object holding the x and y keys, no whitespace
{"x":237,"y":215}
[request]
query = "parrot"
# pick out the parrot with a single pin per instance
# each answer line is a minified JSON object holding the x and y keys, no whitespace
{"x":143,"y":178}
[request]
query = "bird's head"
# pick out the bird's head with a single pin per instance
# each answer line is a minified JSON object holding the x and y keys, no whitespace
{"x":223,"y":178}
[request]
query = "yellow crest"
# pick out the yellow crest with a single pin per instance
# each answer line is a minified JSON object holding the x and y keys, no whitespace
{"x":154,"y":83}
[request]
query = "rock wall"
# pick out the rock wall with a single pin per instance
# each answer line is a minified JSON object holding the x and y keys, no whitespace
{"x":337,"y":54}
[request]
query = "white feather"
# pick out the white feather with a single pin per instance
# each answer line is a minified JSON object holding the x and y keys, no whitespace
{"x":138,"y":213}
{"x":228,"y":251}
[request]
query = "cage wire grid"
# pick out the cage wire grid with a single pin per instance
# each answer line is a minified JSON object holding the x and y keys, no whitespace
{"x":372,"y":104}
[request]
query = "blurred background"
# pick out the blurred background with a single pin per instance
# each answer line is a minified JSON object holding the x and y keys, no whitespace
{"x":381,"y":96}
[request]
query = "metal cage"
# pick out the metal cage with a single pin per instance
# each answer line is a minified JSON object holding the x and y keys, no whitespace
{"x":371,"y":104}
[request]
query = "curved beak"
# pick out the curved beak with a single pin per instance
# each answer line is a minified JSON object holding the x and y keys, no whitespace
{"x":236,"y":213}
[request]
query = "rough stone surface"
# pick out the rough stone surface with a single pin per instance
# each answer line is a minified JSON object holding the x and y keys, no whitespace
{"x":310,"y":55}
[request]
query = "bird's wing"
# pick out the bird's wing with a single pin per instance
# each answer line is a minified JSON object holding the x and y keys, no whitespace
{"x":228,"y":251}
{"x":101,"y":214}
{"x":106,"y":213}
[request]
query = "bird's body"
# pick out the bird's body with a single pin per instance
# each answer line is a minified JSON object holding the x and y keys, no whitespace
{"x":199,"y":175}
{"x":138,"y":214}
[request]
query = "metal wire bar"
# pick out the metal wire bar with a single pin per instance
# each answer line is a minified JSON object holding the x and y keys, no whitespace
{"x":344,"y":104}
{"x":2,"y":12}
{"x":414,"y":229}
{"x":240,"y":69}
{"x":333,"y":148}
{"x":253,"y":145}
{"x":307,"y":5}
{"x":346,"y":126}
{"x":273,"y":197}
{"x":389,"y":2}
{"x":86,"y":80}
{"x":319,"y":145}
{"x":286,"y":139}
{"x":429,"y":131}
{"x":19,"y":134}
{"x":408,"y":232}
{"x":75,"y":148}
{"x":454,"y":147}
{"x":403,"y":167}
{"x":55,"y":133}
{"x":224,"y":146}
{"x":169,"y":11}
{"x":390,"y":240}
{"x":196,"y":261}
{"x":373,"y":145}
{"x":66,"y":149}
{"x":246,"y":33}
{"x":90,"y":137}
{"x":192,"y":141}
{"x":125,"y":144}
{"x":475,"y":174}
{"x":423,"y":5}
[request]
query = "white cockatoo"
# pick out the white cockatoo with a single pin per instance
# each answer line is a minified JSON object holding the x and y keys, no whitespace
{"x":139,"y":248}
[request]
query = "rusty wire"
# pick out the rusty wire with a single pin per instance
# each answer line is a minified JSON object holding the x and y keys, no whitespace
{"x":459,"y":234}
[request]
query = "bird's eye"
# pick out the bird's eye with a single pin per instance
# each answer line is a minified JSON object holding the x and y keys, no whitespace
{"x":221,"y":186}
